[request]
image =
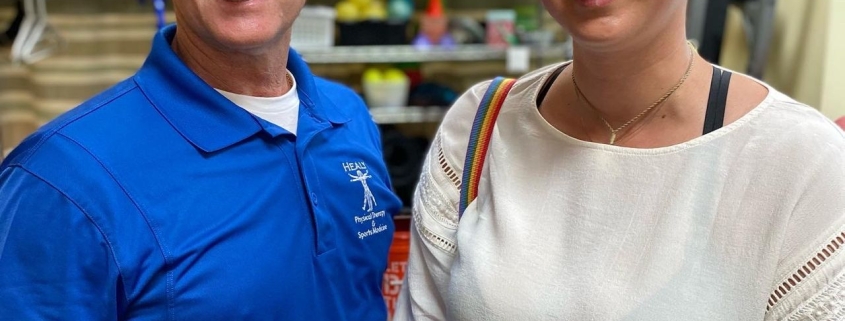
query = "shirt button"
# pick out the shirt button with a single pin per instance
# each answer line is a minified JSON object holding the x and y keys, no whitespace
{"x":314,"y":199}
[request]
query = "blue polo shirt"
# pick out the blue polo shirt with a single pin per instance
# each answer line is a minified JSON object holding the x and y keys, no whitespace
{"x":159,"y":199}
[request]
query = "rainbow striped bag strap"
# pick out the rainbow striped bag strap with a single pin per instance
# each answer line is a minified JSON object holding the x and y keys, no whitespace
{"x":479,"y":139}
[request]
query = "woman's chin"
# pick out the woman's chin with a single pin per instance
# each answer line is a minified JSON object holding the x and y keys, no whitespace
{"x":599,"y":35}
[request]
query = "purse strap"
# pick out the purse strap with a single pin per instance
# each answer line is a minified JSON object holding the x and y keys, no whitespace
{"x":479,"y":139}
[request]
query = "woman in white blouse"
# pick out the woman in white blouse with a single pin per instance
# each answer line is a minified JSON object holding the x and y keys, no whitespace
{"x":637,"y":182}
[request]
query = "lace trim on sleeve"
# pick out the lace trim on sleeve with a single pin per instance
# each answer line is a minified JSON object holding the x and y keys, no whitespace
{"x":806,"y":270}
{"x":444,"y":164}
{"x":436,"y":210}
{"x":439,"y":207}
{"x":827,"y":306}
{"x":435,"y":239}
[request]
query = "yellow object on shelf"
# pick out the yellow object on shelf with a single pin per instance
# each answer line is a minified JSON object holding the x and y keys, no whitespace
{"x":394,"y":75}
{"x":385,"y":88}
{"x":347,"y":11}
{"x":375,"y":11}
{"x":357,"y":10}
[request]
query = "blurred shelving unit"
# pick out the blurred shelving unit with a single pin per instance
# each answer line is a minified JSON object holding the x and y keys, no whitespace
{"x":407,"y":53}
{"x":341,"y":55}
{"x":407,"y":115}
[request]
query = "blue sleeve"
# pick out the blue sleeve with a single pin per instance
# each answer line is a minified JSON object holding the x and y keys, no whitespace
{"x":54,"y":262}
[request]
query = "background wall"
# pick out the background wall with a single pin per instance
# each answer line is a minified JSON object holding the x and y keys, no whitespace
{"x":802,"y":62}
{"x":833,"y":92}
{"x":103,"y":46}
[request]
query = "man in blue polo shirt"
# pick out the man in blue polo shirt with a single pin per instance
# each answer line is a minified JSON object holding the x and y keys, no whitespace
{"x":223,"y":181}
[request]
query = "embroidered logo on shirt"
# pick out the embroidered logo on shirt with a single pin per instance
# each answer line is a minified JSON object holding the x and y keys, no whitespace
{"x":359,"y":173}
{"x":369,"y":198}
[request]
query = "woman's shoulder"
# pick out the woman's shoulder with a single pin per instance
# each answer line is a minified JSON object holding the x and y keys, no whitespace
{"x":789,"y":138}
{"x":455,"y":128}
{"x":777,"y":113}
{"x":790,"y":120}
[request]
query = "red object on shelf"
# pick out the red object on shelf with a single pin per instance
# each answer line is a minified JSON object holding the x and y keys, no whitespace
{"x":395,"y":274}
{"x":414,"y":75}
{"x":841,"y":122}
{"x":435,"y":8}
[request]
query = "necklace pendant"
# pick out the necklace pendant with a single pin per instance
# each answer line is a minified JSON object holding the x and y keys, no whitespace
{"x":612,"y":138}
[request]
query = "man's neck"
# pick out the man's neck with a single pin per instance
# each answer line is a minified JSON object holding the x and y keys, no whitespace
{"x":260,"y":73}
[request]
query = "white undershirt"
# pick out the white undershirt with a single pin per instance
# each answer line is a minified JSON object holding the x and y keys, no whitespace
{"x":282,"y":111}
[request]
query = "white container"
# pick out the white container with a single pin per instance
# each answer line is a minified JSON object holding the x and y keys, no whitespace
{"x":387,"y":94}
{"x":314,"y":28}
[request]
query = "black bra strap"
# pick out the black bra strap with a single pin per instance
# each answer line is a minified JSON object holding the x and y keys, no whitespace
{"x":717,"y":101}
{"x":548,"y":85}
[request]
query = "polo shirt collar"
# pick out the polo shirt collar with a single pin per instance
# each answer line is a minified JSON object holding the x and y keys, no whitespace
{"x":312,"y":96}
{"x":200,"y":114}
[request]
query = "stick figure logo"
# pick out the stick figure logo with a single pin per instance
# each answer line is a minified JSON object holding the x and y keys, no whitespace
{"x":369,"y":198}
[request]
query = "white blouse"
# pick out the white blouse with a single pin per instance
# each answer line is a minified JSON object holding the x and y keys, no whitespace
{"x":745,"y":223}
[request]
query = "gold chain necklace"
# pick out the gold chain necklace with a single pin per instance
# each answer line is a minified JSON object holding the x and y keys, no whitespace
{"x":640,"y":115}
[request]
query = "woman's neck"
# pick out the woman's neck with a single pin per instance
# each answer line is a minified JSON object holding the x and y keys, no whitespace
{"x":622,"y":82}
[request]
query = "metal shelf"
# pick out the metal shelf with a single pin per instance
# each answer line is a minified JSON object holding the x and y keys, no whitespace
{"x":407,"y":53}
{"x":407,"y":115}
